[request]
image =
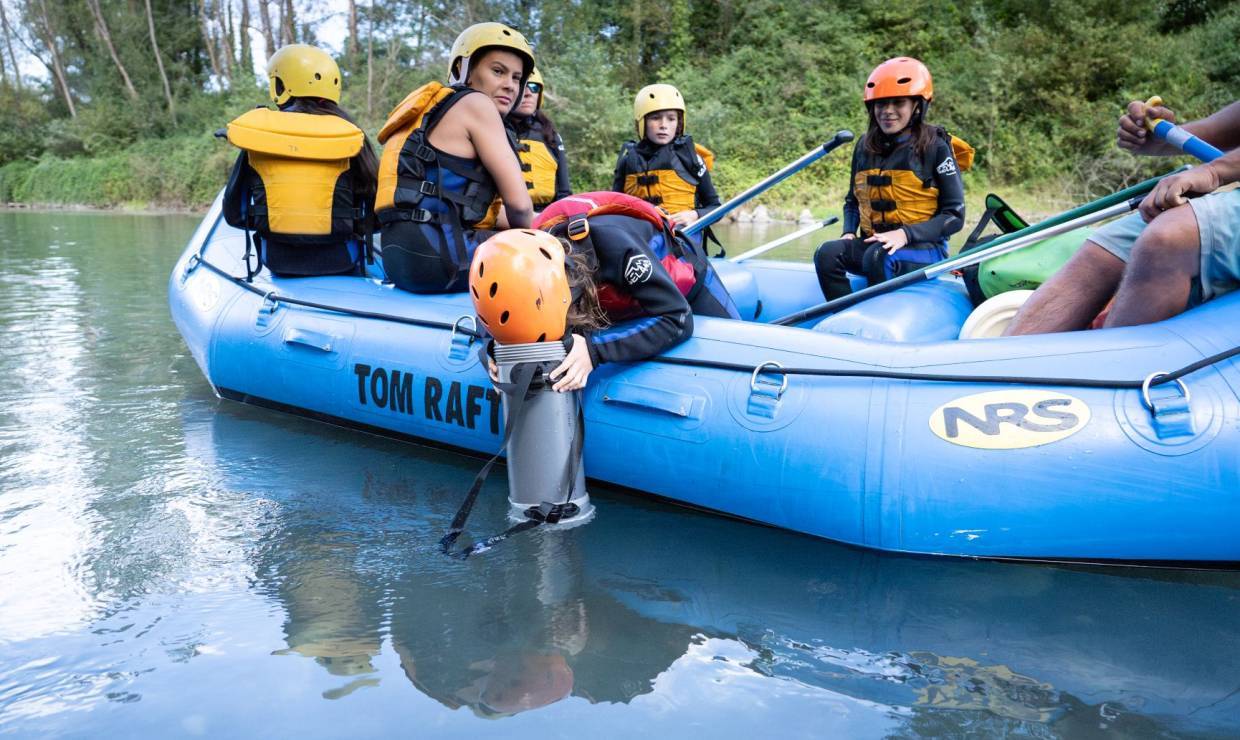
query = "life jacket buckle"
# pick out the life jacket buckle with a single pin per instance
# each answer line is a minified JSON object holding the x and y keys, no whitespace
{"x":421,"y":216}
{"x":425,"y":153}
{"x":426,"y":187}
{"x":647,"y":179}
{"x":578,"y":228}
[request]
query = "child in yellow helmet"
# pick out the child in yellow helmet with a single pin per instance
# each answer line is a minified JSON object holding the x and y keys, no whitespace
{"x":446,"y":156}
{"x":539,"y":146}
{"x":306,"y":213}
{"x":664,"y":166}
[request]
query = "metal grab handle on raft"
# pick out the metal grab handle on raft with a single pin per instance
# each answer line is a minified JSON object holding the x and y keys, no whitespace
{"x":456,"y":325}
{"x":753,"y":379}
{"x":1149,"y":381}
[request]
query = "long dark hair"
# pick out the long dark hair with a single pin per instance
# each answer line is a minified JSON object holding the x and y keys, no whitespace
{"x":584,"y":312}
{"x":365,"y":166}
{"x":923,"y":134}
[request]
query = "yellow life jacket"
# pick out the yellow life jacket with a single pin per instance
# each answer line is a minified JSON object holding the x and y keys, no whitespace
{"x":669,"y":179}
{"x":301,"y":160}
{"x":410,"y":168}
{"x":291,"y":190}
{"x":898,"y":189}
{"x":539,"y":163}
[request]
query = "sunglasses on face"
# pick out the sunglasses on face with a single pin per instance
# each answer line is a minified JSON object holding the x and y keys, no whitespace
{"x":534,"y":87}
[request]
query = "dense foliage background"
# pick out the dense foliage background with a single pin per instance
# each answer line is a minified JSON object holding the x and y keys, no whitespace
{"x":134,"y":88}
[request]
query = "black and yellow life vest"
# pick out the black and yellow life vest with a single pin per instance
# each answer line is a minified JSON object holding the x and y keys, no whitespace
{"x":897,"y":189}
{"x":538,"y":162}
{"x":413,"y":175}
{"x":669,"y":176}
{"x":292,"y":191}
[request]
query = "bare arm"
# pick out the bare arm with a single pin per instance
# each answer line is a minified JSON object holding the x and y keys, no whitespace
{"x":490,"y":140}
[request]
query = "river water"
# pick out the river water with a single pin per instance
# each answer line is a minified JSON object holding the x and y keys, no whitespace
{"x":173,"y":565}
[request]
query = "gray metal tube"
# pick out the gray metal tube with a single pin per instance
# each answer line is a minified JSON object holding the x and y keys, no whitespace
{"x":542,"y":441}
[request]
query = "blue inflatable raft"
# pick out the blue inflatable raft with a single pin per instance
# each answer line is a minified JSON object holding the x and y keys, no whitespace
{"x":874,"y":427}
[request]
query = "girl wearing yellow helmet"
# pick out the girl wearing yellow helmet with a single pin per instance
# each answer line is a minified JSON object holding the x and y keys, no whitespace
{"x":664,"y":166}
{"x":446,"y":158}
{"x":309,"y":213}
{"x":905,"y":194}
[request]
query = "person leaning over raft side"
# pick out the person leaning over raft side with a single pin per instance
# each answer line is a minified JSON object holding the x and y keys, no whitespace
{"x":305,"y":216}
{"x":539,"y":146}
{"x":627,"y":305}
{"x":446,"y":156}
{"x":905,"y":193}
{"x":664,"y":166}
{"x":1169,"y":256}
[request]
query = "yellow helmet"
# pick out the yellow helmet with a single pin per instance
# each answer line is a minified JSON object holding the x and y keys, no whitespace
{"x":302,"y":71}
{"x":537,"y":78}
{"x":652,"y":98}
{"x":482,"y":36}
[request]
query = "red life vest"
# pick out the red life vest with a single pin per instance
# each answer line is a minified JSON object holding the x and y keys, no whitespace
{"x":617,"y":303}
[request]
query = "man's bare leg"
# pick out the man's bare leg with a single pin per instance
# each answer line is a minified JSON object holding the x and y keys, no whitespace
{"x":1166,"y":258}
{"x":1073,"y":297}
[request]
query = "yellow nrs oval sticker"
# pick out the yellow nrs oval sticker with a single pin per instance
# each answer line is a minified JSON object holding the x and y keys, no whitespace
{"x":1009,"y":420}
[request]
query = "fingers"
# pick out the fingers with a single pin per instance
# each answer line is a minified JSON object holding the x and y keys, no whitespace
{"x":562,"y":368}
{"x":1131,"y":134}
{"x":574,"y":379}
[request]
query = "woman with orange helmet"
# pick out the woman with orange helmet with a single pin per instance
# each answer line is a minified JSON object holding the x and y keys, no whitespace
{"x":905,"y":195}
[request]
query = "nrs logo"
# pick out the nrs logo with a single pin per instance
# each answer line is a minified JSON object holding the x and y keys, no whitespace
{"x":1009,"y":420}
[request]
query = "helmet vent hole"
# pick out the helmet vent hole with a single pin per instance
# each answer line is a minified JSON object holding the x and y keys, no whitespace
{"x":503,"y":318}
{"x":335,"y":80}
{"x":538,"y":303}
{"x":494,"y":288}
{"x":904,"y":80}
{"x":475,"y":290}
{"x":318,"y":76}
{"x":869,"y":84}
{"x":482,"y":266}
{"x":545,"y":253}
{"x":279,"y":86}
{"x":542,"y":337}
{"x":484,"y":322}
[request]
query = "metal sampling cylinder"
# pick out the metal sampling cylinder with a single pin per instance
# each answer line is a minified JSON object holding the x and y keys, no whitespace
{"x":542,"y":441}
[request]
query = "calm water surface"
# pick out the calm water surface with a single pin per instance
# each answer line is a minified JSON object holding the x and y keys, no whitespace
{"x":173,"y":565}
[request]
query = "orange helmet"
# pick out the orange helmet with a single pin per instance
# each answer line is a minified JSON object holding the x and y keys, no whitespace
{"x":519,"y":286}
{"x":901,"y":77}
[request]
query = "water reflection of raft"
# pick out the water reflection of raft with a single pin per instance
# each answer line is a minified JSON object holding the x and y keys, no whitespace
{"x":867,"y":456}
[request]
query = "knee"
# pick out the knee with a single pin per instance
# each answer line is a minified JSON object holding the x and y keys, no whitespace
{"x":1170,"y":243}
{"x":827,"y":256}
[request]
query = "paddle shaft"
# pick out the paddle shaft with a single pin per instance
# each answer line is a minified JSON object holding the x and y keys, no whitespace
{"x":712,"y":218}
{"x":1042,"y":228}
{"x":783,"y":240}
{"x":960,"y":262}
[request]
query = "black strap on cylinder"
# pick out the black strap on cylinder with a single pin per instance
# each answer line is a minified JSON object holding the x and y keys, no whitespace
{"x":518,"y":392}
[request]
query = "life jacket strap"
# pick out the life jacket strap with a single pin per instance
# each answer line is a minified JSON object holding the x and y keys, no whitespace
{"x":647,"y":179}
{"x":882,"y":205}
{"x":878,"y":180}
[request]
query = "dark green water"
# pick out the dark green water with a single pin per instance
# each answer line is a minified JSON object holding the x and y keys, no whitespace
{"x":173,"y":565}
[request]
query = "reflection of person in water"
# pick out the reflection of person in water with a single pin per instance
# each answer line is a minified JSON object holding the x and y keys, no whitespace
{"x":332,"y":616}
{"x":527,"y":635}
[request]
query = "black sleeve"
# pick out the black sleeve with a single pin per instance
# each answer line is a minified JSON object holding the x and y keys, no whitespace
{"x":563,"y":186}
{"x":949,"y":217}
{"x":852,"y":211}
{"x":705,"y":199}
{"x":628,"y":263}
{"x":617,"y":180}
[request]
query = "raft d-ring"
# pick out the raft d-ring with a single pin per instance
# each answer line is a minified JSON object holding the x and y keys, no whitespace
{"x":1149,"y":380}
{"x":473,"y":328}
{"x":753,"y":379}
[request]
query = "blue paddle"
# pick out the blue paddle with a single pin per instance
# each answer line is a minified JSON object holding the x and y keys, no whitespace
{"x":1178,"y":137}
